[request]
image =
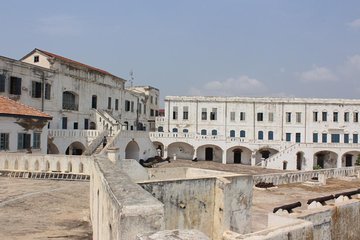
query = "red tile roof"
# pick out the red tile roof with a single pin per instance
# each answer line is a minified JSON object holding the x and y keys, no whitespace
{"x":10,"y":107}
{"x":73,"y":62}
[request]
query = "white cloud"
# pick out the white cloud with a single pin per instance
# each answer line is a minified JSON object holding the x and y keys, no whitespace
{"x":318,"y":74}
{"x":60,"y":25}
{"x":242,"y":85}
{"x":355,"y":24}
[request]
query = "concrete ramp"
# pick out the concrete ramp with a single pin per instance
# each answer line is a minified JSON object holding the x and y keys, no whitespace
{"x":132,"y":168}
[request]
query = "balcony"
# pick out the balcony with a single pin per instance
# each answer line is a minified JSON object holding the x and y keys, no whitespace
{"x":70,"y":106}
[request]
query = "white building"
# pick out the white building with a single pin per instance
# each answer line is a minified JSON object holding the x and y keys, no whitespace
{"x":284,"y":133}
{"x":86,"y":102}
{"x":22,"y":128}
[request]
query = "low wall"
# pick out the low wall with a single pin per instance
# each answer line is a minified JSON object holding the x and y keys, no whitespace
{"x":211,"y":205}
{"x":303,"y":176}
{"x":120,"y":209}
{"x":45,"y":163}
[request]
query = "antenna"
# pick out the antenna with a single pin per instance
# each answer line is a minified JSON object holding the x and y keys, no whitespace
{"x":131,"y":77}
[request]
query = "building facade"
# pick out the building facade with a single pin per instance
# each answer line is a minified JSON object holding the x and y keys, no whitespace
{"x":299,"y":133}
{"x":86,"y":102}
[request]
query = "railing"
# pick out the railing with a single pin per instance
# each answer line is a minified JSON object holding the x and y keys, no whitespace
{"x":70,"y":106}
{"x":110,"y":121}
{"x":73,"y":133}
{"x":95,"y":143}
{"x":111,"y":142}
{"x":160,"y":119}
{"x":303,"y":176}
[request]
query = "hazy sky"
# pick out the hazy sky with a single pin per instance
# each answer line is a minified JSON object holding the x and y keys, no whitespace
{"x":301,"y":48}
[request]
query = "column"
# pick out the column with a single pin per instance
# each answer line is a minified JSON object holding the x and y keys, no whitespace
{"x":224,"y":157}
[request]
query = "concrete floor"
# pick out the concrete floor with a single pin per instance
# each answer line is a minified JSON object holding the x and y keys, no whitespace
{"x":44,"y":209}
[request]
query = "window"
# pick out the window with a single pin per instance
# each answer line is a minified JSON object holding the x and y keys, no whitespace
{"x":64,"y":123}
{"x":151,"y":99}
{"x":175,"y":130}
{"x":109,"y":103}
{"x":315,"y":137}
{"x":24,"y":140}
{"x":15,"y":85}
{"x":37,"y":140}
{"x":47,"y":91}
{"x":271,"y":116}
{"x":156,"y":100}
{"x":297,"y":137}
{"x":94,"y":101}
{"x":213,"y":114}
{"x":271,"y":135}
{"x":132,"y":106}
{"x":4,"y":141}
{"x":232,"y":116}
{"x":335,"y":116}
{"x":260,"y":116}
{"x":288,"y":137}
{"x":185,"y":113}
{"x":127,"y":106}
{"x":139,"y":108}
{"x":36,"y":59}
{"x":151,"y":112}
{"x":260,"y":135}
{"x":315,"y":116}
{"x":76,"y":125}
{"x":36,"y":89}
{"x":346,"y":116}
{"x":356,"y":117}
{"x":242,"y":116}
{"x":324,"y":137}
{"x":2,"y":82}
{"x":86,"y":123}
{"x":116,"y":104}
{"x":203,"y":114}
{"x":242,"y":134}
{"x":160,"y":129}
{"x":298,"y":117}
{"x":214,"y":132}
{"x":288,"y":117}
{"x":175,"y":113}
{"x":156,"y":113}
{"x":335,"y":138}
{"x":232,"y":133}
{"x":185,"y":130}
{"x":69,"y":101}
{"x":355,"y":138}
{"x":324,"y":116}
{"x":203,"y":132}
{"x":346,"y":138}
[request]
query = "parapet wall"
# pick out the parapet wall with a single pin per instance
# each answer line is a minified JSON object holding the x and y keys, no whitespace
{"x":45,"y":163}
{"x":120,"y":208}
{"x":303,"y":176}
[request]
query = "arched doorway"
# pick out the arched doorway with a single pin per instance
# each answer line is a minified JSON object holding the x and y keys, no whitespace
{"x":264,"y":153}
{"x":349,"y":159}
{"x":181,"y":150}
{"x":132,"y":150}
{"x":159,"y":148}
{"x":70,"y":101}
{"x":210,"y":153}
{"x":75,"y":148}
{"x":237,"y":155}
{"x":325,"y":159}
{"x":52,"y":148}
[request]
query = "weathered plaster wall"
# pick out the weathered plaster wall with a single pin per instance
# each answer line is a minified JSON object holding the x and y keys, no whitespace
{"x":121,"y":209}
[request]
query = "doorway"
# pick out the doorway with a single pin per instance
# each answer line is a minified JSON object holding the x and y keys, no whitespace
{"x":237,"y":156}
{"x":348,"y":160}
{"x":209,"y":154}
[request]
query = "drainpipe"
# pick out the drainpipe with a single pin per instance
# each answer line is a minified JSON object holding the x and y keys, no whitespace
{"x":43,"y":91}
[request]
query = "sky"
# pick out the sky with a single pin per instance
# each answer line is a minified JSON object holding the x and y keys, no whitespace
{"x":272,"y":48}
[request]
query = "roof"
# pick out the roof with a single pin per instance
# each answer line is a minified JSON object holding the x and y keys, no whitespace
{"x":12,"y":108}
{"x":53,"y":55}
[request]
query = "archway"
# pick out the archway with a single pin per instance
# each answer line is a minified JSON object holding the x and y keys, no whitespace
{"x":264,"y":153}
{"x":75,"y":148}
{"x":348,"y":159}
{"x":325,"y":159}
{"x":132,"y":150}
{"x":159,"y":148}
{"x":238,"y":154}
{"x":181,"y":150}
{"x":210,"y":153}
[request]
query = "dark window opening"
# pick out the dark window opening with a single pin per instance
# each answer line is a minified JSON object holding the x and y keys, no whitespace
{"x":36,"y":89}
{"x":4,"y":141}
{"x":76,"y":125}
{"x":36,"y":59}
{"x":64,"y":123}
{"x":15,"y":85}
{"x":37,"y":140}
{"x":2,"y":82}
{"x":24,"y":140}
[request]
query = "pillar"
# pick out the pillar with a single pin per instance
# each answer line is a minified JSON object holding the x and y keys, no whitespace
{"x":113,"y":154}
{"x":195,"y":153}
{"x":339,"y":161}
{"x":224,"y":157}
{"x":253,"y":158}
{"x":165,"y":151}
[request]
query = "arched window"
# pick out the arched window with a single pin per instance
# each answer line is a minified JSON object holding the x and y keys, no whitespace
{"x":175,"y":130}
{"x":185,"y":130}
{"x":260,"y":135}
{"x":271,"y":135}
{"x":70,"y":101}
{"x":242,"y":134}
{"x":214,"y":132}
{"x":203,"y":132}
{"x":160,"y":129}
{"x":232,"y":133}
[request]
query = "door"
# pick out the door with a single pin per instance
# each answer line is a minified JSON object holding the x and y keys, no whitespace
{"x":299,"y":158}
{"x":321,"y":160}
{"x":209,"y":154}
{"x":237,"y":156}
{"x":348,"y":159}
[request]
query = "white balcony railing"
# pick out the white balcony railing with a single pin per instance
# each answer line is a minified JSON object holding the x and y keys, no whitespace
{"x":73,"y":133}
